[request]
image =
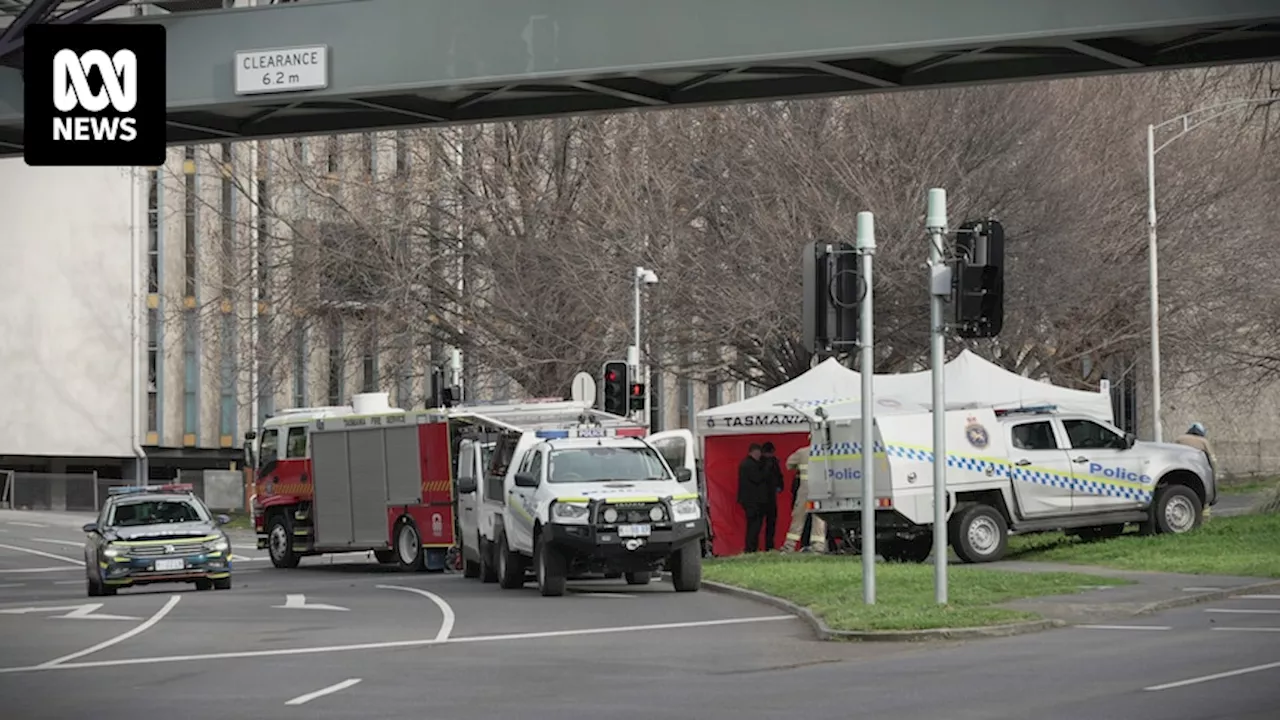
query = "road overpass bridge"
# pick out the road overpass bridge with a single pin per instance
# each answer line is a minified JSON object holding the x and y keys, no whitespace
{"x":400,"y":63}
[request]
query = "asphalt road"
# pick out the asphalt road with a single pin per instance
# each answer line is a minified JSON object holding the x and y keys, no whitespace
{"x":391,"y":645}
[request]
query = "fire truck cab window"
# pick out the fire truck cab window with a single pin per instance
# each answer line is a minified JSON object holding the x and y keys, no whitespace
{"x":296,"y":443}
{"x":268,"y":450}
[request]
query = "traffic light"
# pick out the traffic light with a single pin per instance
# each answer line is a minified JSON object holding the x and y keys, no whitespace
{"x":636,"y":396}
{"x":833,"y":290}
{"x":978,"y":281}
{"x":614,"y":374}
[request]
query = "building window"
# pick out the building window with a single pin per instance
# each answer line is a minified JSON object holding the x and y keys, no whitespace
{"x":404,"y":365}
{"x":368,"y":153}
{"x":227,"y":209}
{"x":715,"y":393}
{"x":153,"y":232}
{"x":335,"y":362}
{"x":227,"y":390}
{"x":331,"y":154}
{"x":402,"y":153}
{"x":264,"y":237}
{"x":300,"y":149}
{"x":369,"y":361}
{"x":300,"y":366}
{"x":191,"y":374}
{"x":153,"y":370}
{"x":684,"y":400}
{"x":189,"y":216}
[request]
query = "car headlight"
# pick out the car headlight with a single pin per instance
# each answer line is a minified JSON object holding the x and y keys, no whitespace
{"x":683,"y":510}
{"x":220,"y":545}
{"x":611,"y":515}
{"x":569,"y":513}
{"x":111,"y":552}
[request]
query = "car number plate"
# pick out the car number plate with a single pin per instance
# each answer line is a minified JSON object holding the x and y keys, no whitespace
{"x":634,"y":530}
{"x":162,"y":565}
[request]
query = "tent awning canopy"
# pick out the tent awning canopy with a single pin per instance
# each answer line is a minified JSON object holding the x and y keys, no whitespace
{"x":970,"y":381}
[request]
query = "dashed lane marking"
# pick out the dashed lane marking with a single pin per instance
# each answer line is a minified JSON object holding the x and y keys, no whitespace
{"x":51,"y":541}
{"x":1258,"y":597}
{"x":36,"y":570}
{"x":1242,"y":611}
{"x":1215,"y":676}
{"x":513,"y":637}
{"x":1248,"y":629}
{"x":27,"y":524}
{"x":14,"y":585}
{"x":43,"y":554}
{"x":1125,"y":627}
{"x":336,"y":687}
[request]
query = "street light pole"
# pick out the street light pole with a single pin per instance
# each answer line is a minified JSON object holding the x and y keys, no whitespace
{"x":1189,"y":121}
{"x":640,"y":372}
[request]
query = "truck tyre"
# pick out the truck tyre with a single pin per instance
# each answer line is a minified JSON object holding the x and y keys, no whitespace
{"x":552,"y":568}
{"x":222,"y":583}
{"x":386,"y":557}
{"x":280,"y":541}
{"x":906,"y":550}
{"x":204,"y":584}
{"x":488,"y":572}
{"x":510,"y":565}
{"x":979,"y":533}
{"x":686,"y":568}
{"x":408,"y":546}
{"x":639,"y":578}
{"x":1176,"y":509}
{"x":470,"y":568}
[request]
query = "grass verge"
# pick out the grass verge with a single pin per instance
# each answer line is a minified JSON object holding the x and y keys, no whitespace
{"x":1249,"y":485}
{"x":831,"y":586}
{"x":239,"y":521}
{"x":1246,"y":546}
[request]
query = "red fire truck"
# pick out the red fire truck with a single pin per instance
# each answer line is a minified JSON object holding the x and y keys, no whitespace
{"x":354,"y":478}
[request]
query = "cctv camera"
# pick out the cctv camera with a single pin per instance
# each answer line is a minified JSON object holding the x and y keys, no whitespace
{"x":650,"y":277}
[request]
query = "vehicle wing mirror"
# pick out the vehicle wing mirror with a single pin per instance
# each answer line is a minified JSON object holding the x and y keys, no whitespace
{"x":466,"y":485}
{"x":684,"y":474}
{"x":223,"y":519}
{"x":526,"y":480}
{"x":90,"y":527}
{"x":1129,"y":440}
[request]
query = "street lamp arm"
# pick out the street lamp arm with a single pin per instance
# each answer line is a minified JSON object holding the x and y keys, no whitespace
{"x":1201,"y":116}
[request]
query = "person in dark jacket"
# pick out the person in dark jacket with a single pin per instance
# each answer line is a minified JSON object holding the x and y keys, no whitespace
{"x":754,"y":494}
{"x":776,"y":482}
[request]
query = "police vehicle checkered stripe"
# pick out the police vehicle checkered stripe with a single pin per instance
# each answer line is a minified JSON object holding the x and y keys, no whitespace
{"x":1092,"y":487}
{"x":1098,"y":488}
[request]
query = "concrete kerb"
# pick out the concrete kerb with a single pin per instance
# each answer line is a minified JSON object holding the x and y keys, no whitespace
{"x":1205,"y":597}
{"x":823,"y":632}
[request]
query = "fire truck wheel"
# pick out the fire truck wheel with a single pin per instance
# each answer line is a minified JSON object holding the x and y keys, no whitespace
{"x":510,"y":565}
{"x":488,"y":573}
{"x":552,"y":569}
{"x":979,"y":533}
{"x":408,"y":546}
{"x":639,"y":578}
{"x":280,"y":542}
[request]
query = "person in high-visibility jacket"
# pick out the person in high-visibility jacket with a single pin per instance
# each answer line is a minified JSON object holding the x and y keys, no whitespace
{"x":798,"y":462}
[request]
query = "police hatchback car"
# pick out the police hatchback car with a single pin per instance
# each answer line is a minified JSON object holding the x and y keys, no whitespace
{"x":156,"y":534}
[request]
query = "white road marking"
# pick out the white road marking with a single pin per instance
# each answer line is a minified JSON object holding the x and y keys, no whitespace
{"x":299,"y":602}
{"x":1125,"y":627}
{"x":603,"y":595}
{"x":323,"y":691}
{"x":67,"y":582}
{"x":1242,"y":611}
{"x":1200,"y":589}
{"x":43,"y":554}
{"x":395,"y":644}
{"x":1215,"y":676}
{"x":241,"y":558}
{"x":59,"y":542}
{"x":86,"y":612}
{"x":29,"y":610}
{"x":27,"y":524}
{"x":446,"y":625}
{"x":138,"y":630}
{"x":1248,"y":629}
{"x":36,"y":570}
{"x":1257,"y":597}
{"x":14,"y":585}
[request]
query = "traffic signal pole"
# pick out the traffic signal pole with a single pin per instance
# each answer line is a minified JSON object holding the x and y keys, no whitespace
{"x":939,"y":290}
{"x":866,"y":368}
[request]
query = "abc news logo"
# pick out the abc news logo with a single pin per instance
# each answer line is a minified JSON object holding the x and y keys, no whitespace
{"x":71,"y":92}
{"x":95,"y":95}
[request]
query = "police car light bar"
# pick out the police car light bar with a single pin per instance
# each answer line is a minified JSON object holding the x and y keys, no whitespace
{"x":589,"y":432}
{"x":1029,"y":410}
{"x":134,"y":489}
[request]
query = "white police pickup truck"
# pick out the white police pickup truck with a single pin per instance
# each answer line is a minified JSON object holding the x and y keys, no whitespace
{"x":586,"y":499}
{"x":1015,"y":471}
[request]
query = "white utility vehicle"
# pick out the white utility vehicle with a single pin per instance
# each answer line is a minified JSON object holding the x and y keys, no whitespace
{"x":577,"y":499}
{"x":1013,"y":471}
